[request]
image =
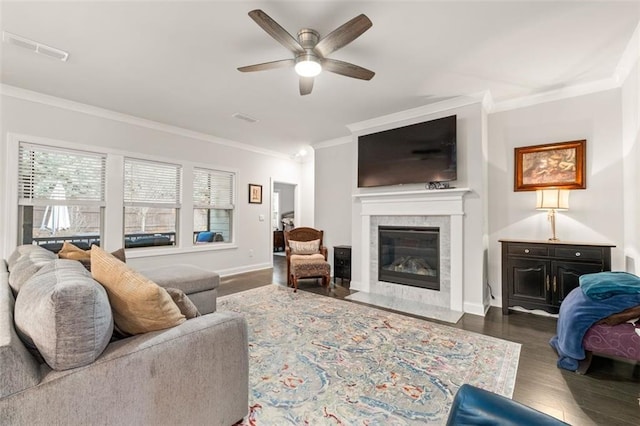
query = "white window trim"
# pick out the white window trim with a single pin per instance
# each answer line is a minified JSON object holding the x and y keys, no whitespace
{"x":114,"y":193}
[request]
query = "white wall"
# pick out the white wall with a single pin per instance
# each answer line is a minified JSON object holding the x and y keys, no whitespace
{"x":306,"y":192}
{"x":631,"y":162}
{"x":333,"y":177}
{"x":130,"y":135}
{"x":596,"y":213}
{"x":336,"y":181}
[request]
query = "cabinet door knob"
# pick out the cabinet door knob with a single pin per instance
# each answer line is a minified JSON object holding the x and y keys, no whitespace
{"x":547,"y":283}
{"x":526,"y":250}
{"x":578,"y":253}
{"x":555,"y":285}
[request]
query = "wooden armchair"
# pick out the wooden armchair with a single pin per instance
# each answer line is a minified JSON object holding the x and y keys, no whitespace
{"x":299,"y":248}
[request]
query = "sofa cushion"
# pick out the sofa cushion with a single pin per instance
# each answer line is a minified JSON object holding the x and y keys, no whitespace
{"x":25,"y":262}
{"x":71,"y":251}
{"x":139,"y":305}
{"x":64,"y":314}
{"x":304,"y":247}
{"x":186,"y":306}
{"x":20,"y":370}
{"x":188,"y":278}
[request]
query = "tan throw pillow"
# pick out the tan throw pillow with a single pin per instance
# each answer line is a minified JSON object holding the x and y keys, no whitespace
{"x":139,"y":305}
{"x":186,"y":306}
{"x":71,"y":251}
{"x":304,"y":247}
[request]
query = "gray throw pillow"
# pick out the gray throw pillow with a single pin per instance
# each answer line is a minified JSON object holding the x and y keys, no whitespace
{"x":64,"y":314}
{"x":26,"y":250}
{"x":186,"y":306}
{"x":27,"y":264}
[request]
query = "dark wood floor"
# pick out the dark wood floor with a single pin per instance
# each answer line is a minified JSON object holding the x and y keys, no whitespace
{"x":608,"y":395}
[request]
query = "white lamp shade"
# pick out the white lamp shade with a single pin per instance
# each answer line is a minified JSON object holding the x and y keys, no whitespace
{"x":556,"y":199}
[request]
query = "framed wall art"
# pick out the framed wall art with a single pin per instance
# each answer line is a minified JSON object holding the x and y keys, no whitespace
{"x":255,"y":194}
{"x":555,"y":165}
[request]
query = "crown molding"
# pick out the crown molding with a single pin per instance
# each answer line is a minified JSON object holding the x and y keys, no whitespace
{"x":556,"y":95}
{"x":457,"y":102}
{"x":37,"y":97}
{"x":333,"y":142}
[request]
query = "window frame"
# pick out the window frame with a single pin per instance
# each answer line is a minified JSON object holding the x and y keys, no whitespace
{"x":211,"y":202}
{"x":113,"y":224}
{"x":74,"y":193}
{"x":175,"y":203}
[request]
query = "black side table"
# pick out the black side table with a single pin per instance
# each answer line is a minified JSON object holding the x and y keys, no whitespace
{"x":341,"y":263}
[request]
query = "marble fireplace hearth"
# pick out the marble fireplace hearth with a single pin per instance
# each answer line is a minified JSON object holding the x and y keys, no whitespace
{"x":442,"y":209}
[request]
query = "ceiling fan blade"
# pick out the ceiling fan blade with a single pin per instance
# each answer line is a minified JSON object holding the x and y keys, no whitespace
{"x":347,"y":69}
{"x":283,"y":63}
{"x":276,"y":31}
{"x":306,"y":85}
{"x":343,"y":35}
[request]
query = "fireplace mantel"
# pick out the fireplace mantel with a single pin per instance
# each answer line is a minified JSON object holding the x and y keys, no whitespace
{"x":423,"y":203}
{"x":435,"y":193}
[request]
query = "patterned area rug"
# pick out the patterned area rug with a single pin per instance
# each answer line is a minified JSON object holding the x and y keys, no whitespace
{"x":317,"y":360}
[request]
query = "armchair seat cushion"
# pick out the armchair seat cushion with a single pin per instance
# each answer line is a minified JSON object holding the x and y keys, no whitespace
{"x":316,"y":256}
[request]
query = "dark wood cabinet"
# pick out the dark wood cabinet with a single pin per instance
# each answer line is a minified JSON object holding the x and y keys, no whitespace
{"x":540,"y":274}
{"x":278,"y":240}
{"x":341,"y":263}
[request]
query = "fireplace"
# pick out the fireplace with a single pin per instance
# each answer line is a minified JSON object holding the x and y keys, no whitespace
{"x":409,"y":256}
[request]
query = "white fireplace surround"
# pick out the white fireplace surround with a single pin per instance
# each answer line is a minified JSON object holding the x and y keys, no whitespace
{"x":419,"y":207}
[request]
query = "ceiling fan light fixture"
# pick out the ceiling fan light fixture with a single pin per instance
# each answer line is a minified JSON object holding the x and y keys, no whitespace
{"x":308,"y":66}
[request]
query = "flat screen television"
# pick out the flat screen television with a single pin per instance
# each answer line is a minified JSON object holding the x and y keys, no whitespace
{"x":418,"y":153}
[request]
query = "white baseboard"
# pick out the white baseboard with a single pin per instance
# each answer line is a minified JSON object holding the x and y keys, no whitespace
{"x":244,"y":269}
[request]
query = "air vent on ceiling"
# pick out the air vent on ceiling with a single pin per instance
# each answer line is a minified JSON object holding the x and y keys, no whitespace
{"x":244,"y":117}
{"x":34,"y":46}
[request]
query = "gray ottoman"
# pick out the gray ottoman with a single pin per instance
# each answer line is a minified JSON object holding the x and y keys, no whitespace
{"x":200,"y":285}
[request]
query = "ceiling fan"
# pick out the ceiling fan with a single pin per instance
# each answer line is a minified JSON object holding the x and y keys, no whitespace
{"x":310,"y":52}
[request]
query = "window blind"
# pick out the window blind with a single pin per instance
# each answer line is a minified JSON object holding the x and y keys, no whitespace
{"x":151,"y":183}
{"x":49,"y":176}
{"x":213,"y":189}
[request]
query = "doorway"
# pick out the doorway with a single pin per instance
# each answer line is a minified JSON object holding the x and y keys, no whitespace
{"x":283,"y":213}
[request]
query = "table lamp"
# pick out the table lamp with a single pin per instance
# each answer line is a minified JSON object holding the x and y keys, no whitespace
{"x":552,"y":200}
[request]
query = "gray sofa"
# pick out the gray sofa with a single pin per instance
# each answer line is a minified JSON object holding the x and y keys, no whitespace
{"x":194,"y":373}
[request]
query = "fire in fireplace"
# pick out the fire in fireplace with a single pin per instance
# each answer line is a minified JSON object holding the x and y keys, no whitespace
{"x":409,"y":256}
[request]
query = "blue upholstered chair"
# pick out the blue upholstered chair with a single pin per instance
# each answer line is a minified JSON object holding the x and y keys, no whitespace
{"x":475,"y":406}
{"x":205,"y":237}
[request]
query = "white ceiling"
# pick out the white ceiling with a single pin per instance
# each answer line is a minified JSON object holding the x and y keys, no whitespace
{"x":175,"y":62}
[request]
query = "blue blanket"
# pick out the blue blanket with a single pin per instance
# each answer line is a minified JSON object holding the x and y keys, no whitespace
{"x":578,"y":312}
{"x":602,"y":285}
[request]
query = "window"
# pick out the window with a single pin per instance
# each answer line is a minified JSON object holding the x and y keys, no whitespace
{"x":213,"y":195}
{"x":151,"y":202}
{"x":60,"y":196}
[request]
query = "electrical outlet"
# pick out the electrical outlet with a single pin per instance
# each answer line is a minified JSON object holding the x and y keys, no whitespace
{"x":261,"y":218}
{"x":250,"y":252}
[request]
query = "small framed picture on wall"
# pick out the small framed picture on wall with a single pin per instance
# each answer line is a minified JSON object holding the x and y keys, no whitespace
{"x":255,"y":194}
